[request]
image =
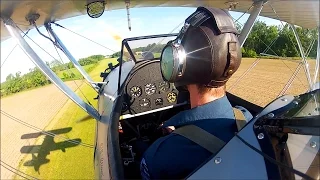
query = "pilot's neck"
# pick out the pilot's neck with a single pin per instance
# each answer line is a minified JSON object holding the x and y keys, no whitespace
{"x":197,"y":99}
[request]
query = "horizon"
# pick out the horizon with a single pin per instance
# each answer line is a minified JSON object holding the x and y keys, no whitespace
{"x":162,"y":21}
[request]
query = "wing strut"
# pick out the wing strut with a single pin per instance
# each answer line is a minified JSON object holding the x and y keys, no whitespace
{"x":14,"y":32}
{"x":257,"y":7}
{"x":64,"y":49}
{"x":304,"y":60}
{"x":316,"y":70}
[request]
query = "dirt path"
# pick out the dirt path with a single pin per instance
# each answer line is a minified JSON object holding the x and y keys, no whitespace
{"x":35,"y":107}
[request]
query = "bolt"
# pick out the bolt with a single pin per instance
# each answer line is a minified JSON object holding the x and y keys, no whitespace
{"x":218,"y":160}
{"x":260,"y":136}
{"x":270,"y":115}
{"x":313,"y":144}
{"x":295,"y":102}
{"x":284,"y":99}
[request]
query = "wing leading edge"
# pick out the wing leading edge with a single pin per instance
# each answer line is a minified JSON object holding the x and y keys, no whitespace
{"x":304,"y":13}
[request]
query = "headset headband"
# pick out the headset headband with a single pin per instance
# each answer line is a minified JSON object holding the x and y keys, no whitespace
{"x":194,"y":20}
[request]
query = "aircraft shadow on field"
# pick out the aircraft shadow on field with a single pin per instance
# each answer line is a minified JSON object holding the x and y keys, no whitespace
{"x":46,"y":147}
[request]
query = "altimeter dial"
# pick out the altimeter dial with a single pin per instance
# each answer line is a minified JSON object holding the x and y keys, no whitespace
{"x":135,"y":91}
{"x":150,"y":88}
{"x":164,"y":86}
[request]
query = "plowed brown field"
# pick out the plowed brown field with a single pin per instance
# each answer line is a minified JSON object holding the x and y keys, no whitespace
{"x":266,"y":80}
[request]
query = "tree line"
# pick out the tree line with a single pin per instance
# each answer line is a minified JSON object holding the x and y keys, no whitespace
{"x":262,"y":36}
{"x":35,"y":78}
{"x":285,"y":44}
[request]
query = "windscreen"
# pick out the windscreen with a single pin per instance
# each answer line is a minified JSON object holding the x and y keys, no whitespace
{"x":148,"y":49}
{"x":301,"y":151}
{"x":304,"y":149}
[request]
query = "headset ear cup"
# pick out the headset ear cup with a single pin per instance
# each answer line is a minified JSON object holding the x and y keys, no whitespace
{"x":167,"y":63}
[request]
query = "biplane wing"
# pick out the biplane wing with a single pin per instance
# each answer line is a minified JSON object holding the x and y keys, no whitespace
{"x":304,"y":13}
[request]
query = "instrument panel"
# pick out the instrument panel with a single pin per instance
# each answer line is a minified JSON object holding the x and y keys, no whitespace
{"x":146,"y":90}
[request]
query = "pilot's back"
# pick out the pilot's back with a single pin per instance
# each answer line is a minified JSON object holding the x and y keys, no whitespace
{"x":175,"y":156}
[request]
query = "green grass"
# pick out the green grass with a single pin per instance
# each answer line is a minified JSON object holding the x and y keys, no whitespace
{"x":157,"y":55}
{"x":76,"y":162}
{"x":87,"y":68}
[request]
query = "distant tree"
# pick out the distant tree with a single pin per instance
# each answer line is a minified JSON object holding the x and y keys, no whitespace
{"x":10,"y":77}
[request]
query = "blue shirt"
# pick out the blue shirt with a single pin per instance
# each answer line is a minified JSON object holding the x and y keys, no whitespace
{"x":175,"y":156}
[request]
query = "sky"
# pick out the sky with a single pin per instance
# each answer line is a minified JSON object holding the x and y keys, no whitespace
{"x":144,"y":21}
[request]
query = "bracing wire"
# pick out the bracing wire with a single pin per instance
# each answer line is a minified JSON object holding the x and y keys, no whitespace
{"x":258,"y":59}
{"x":151,"y":49}
{"x":273,"y":161}
{"x":15,"y":171}
{"x":243,"y":14}
{"x":37,"y":44}
{"x":54,"y":59}
{"x":61,"y":61}
{"x":83,"y":36}
{"x":253,"y":64}
{"x":294,"y":46}
{"x":44,"y":132}
{"x":13,"y":49}
{"x":87,"y":38}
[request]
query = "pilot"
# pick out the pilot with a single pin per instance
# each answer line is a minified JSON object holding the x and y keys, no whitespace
{"x":201,"y":59}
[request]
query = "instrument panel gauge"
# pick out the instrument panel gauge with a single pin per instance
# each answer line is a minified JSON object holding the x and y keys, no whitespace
{"x":159,"y":101}
{"x":164,"y":86}
{"x":144,"y":102}
{"x":150,"y":89}
{"x":171,"y":97}
{"x":135,"y":91}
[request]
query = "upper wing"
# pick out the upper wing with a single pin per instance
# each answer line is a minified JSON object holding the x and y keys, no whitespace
{"x":304,"y":13}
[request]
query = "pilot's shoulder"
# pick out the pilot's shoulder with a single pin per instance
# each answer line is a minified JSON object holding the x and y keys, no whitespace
{"x":159,"y":143}
{"x":149,"y":165}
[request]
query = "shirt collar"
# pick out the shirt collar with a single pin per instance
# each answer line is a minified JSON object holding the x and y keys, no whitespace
{"x":219,"y":108}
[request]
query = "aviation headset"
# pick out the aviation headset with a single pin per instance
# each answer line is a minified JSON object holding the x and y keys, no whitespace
{"x":206,"y":50}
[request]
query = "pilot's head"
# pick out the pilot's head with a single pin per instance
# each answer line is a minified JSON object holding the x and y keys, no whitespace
{"x":205,"y":54}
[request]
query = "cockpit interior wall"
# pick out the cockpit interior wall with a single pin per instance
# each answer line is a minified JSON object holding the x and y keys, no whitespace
{"x":115,"y":159}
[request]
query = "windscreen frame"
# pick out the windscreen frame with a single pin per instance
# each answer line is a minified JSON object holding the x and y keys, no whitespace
{"x":125,"y":44}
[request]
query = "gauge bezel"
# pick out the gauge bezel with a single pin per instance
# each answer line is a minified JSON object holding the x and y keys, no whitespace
{"x":175,"y":95}
{"x":153,"y":85}
{"x":140,"y":90}
{"x":146,"y":105}
{"x":166,"y":85}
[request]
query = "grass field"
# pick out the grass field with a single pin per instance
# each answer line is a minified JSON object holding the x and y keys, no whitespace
{"x":77,"y":161}
{"x":262,"y":84}
{"x":87,"y":68}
